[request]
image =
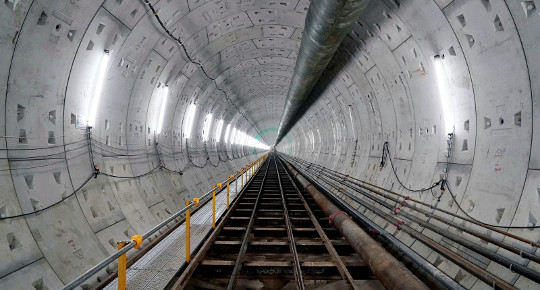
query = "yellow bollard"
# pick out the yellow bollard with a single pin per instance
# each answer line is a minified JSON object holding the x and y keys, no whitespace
{"x":122,"y":261}
{"x":228,"y":179}
{"x":213,"y":207}
{"x":188,"y":233}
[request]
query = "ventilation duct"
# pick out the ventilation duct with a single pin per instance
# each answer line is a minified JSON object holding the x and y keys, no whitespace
{"x":327,"y":23}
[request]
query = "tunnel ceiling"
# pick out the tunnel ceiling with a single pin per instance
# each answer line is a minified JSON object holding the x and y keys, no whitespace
{"x":250,"y":47}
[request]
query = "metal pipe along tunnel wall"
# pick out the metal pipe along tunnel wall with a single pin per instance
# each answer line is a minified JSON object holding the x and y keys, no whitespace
{"x":408,"y":73}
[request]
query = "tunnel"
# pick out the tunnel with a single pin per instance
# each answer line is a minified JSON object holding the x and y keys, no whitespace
{"x":419,"y":119}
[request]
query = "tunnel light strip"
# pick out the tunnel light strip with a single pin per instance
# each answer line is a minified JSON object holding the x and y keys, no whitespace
{"x":444,"y":91}
{"x":245,"y":139}
{"x":231,"y":141}
{"x":352,"y":123}
{"x":218,"y":130}
{"x":227,"y":131}
{"x":99,"y":80}
{"x":238,"y":137}
{"x":207,"y":126}
{"x":165,"y":94}
{"x":190,"y":115}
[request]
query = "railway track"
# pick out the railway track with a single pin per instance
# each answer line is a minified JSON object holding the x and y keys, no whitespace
{"x":275,"y":237}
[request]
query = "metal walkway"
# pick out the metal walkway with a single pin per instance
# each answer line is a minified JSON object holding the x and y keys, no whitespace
{"x":157,"y":267}
{"x":276,"y":237}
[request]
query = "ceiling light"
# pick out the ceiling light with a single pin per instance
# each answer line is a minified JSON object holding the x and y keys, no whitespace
{"x":99,"y":80}
{"x":190,"y":115}
{"x":207,"y":125}
{"x":218,"y":130}
{"x":444,"y":91}
{"x":227,"y":131}
{"x":164,"y":95}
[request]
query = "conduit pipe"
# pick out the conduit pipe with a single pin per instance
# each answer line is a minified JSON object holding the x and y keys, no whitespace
{"x":367,"y":186}
{"x":470,"y":267}
{"x":327,"y":23}
{"x":390,"y":272}
{"x":489,"y":239}
{"x":429,"y":269}
{"x":514,"y":266}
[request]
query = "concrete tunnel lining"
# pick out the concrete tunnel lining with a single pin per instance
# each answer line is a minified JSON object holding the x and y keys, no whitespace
{"x":381,"y":85}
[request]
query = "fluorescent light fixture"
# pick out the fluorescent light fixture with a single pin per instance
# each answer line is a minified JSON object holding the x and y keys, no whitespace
{"x":352,"y":123}
{"x":252,"y":142}
{"x":239,"y":138}
{"x":207,"y":126}
{"x":218,"y":130}
{"x":227,"y":131}
{"x":190,"y":115}
{"x":164,"y":95}
{"x":444,"y":91}
{"x":231,"y":141}
{"x":99,"y":80}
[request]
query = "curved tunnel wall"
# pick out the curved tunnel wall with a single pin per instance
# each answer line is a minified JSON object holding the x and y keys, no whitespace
{"x":381,"y":86}
{"x":50,"y":53}
{"x":384,"y":73}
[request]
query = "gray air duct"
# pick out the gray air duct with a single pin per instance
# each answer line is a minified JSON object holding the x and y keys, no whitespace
{"x":327,"y":23}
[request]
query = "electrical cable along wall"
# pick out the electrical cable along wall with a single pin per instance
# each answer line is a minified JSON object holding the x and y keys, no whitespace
{"x":109,"y":153}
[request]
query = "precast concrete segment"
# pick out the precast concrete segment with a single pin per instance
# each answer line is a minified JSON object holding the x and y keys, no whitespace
{"x":392,"y":273}
{"x":327,"y":23}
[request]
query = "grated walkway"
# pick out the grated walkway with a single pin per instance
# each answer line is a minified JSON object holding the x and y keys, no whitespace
{"x":157,"y":267}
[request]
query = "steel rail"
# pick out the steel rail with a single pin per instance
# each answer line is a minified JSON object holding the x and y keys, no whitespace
{"x":420,"y":261}
{"x":243,"y":248}
{"x":344,"y":272}
{"x":390,"y":272}
{"x":292,"y":244}
{"x":186,"y":274}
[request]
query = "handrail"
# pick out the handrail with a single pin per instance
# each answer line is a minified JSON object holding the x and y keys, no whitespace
{"x":133,"y":243}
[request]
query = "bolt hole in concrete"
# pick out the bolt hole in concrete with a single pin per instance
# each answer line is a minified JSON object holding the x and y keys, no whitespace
{"x":58,"y":26}
{"x":501,"y":121}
